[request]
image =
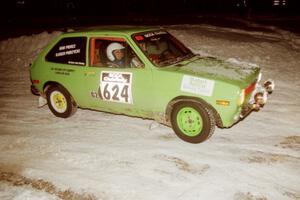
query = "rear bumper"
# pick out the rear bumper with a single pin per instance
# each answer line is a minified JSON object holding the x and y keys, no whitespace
{"x":258,"y":99}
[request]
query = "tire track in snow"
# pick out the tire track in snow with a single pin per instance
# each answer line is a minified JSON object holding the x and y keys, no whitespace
{"x":45,"y":186}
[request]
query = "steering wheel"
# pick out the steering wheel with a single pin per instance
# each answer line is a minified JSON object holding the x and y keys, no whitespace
{"x":166,"y":54}
{"x":154,"y":58}
{"x":114,"y":65}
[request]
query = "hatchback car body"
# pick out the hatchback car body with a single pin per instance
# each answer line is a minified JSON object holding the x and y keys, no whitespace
{"x":159,"y":78}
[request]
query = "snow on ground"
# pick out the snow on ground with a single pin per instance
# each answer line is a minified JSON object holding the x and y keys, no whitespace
{"x":95,"y":155}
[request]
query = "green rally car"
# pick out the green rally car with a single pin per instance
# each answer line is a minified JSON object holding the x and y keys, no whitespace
{"x":147,"y":73}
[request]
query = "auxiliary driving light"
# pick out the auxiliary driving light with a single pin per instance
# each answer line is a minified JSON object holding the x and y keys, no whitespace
{"x":269,"y":85}
{"x":260,"y":98}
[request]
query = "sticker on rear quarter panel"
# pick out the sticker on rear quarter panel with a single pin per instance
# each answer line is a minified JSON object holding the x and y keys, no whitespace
{"x":116,"y":86}
{"x":197,"y":85}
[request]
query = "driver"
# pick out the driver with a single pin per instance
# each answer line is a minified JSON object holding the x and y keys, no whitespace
{"x":115,"y":53}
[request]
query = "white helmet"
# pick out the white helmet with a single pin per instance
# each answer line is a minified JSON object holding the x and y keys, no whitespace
{"x":110,"y":48}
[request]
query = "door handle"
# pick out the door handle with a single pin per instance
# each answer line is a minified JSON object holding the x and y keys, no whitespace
{"x":90,"y":73}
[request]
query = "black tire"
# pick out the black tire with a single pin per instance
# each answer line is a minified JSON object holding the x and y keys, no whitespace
{"x":197,"y":121}
{"x":60,"y":101}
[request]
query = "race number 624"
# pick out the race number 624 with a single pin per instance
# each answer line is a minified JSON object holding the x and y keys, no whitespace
{"x":115,"y":92}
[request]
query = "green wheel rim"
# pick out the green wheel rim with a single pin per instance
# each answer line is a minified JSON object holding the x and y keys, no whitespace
{"x":189,"y":121}
{"x":58,"y":102}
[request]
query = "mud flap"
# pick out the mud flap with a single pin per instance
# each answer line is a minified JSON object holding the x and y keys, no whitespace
{"x":154,"y":125}
{"x":42,"y":102}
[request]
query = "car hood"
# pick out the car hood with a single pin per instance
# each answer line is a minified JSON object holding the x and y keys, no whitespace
{"x":230,"y":71}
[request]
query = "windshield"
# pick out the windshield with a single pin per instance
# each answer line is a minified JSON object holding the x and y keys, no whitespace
{"x":162,"y":48}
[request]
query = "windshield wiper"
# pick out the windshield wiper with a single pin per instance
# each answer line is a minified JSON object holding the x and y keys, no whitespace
{"x":172,"y":61}
{"x":187,"y":56}
{"x":169,"y":61}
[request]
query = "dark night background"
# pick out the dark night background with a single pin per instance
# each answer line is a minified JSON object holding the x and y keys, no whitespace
{"x":28,"y":16}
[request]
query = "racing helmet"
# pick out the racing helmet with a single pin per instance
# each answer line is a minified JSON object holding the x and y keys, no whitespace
{"x":110,"y":48}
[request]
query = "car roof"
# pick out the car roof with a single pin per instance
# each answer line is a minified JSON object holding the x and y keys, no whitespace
{"x":113,"y":30}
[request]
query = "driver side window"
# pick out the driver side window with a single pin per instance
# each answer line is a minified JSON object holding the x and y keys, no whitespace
{"x":113,"y":52}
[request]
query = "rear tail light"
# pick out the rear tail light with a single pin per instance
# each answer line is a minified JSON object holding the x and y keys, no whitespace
{"x":35,"y":81}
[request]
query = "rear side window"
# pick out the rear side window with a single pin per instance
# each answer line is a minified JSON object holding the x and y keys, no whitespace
{"x":69,"y":51}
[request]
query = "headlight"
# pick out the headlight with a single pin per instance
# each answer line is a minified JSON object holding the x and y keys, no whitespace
{"x":259,"y":77}
{"x":241,"y":98}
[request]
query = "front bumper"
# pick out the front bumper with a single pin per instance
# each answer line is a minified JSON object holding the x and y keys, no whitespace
{"x":259,"y":98}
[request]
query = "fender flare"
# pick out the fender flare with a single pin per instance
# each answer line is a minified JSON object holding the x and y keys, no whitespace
{"x":174,"y":101}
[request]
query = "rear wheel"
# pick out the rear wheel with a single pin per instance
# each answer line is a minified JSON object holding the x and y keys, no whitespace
{"x":60,"y":102}
{"x":192,"y":122}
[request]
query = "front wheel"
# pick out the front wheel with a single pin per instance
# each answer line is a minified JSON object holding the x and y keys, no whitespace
{"x":60,"y":102}
{"x":192,"y":122}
